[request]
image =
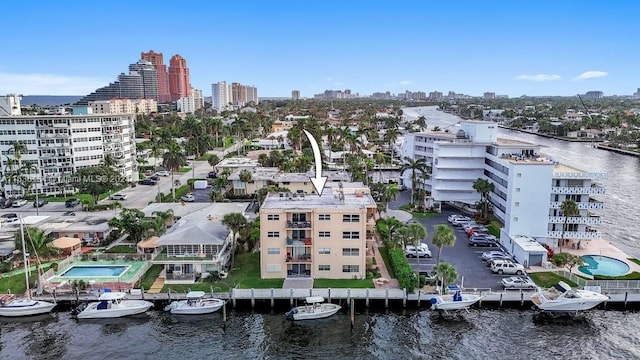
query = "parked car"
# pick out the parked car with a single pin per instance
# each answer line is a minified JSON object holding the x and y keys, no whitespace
{"x":455,"y":218}
{"x":507,"y":268}
{"x":71,"y":203}
{"x":19,"y":203}
{"x":163,"y":173}
{"x":9,"y":216}
{"x":147,"y":182}
{"x":490,"y":262}
{"x":148,"y":172}
{"x":155,"y":178}
{"x":188,"y":198}
{"x":421,"y":251}
{"x":118,"y":197}
{"x":477,"y":229}
{"x":515,"y":282}
{"x":462,"y":221}
{"x":497,"y":257}
{"x":212,"y":175}
{"x":485,"y":236}
{"x":40,"y":203}
{"x":482,"y":242}
{"x":12,"y":221}
{"x":7,"y":203}
{"x":469,"y":225}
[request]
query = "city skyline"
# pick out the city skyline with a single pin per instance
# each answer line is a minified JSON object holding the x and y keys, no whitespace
{"x":534,"y":49}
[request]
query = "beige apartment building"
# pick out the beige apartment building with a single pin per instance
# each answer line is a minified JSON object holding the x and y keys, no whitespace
{"x":294,"y":182}
{"x":328,"y":236}
{"x":124,"y":106}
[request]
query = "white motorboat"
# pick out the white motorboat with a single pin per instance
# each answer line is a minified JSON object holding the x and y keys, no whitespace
{"x":315,"y":308}
{"x":112,"y":305}
{"x":561,"y":298}
{"x":195,"y":304}
{"x":454,"y":302}
{"x":12,"y":306}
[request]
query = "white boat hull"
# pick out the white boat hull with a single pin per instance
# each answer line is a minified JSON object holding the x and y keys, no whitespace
{"x":566,"y":306}
{"x":311,"y":312}
{"x":206,"y":306}
{"x":125,"y":308}
{"x":445,"y":302}
{"x":25,"y":307}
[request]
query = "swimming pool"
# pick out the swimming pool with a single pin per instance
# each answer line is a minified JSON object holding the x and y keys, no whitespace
{"x":603,"y":265}
{"x":78,"y":271}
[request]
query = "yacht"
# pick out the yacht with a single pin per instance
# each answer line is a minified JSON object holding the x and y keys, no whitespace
{"x":315,"y":308}
{"x":454,"y":302}
{"x":112,"y":305}
{"x":195,"y":304}
{"x":561,"y":298}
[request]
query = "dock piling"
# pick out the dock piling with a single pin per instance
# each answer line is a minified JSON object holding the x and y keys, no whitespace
{"x":329,"y":289}
{"x":353,"y":310}
{"x":501,"y":299}
{"x":253,"y":299}
{"x":404,"y":299}
{"x":521,"y":298}
{"x":386,"y":299}
{"x":290,"y":297}
{"x":224,"y":315}
{"x":272,"y":301}
{"x":626,"y":294}
{"x":366,"y":302}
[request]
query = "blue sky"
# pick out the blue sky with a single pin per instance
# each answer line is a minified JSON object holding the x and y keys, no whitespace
{"x":507,"y":47}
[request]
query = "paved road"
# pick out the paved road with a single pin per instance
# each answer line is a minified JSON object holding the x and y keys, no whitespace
{"x":466,"y":259}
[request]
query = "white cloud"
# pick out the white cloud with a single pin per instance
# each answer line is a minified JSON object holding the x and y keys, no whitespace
{"x":405,"y":82}
{"x":591,"y":75}
{"x":48,"y":84}
{"x":539,"y":77}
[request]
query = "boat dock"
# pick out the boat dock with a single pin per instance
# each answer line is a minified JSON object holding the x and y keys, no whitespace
{"x":374,"y":298}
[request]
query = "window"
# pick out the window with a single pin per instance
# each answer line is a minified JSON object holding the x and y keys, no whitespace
{"x":324,"y":234}
{"x":350,"y":252}
{"x":517,"y":189}
{"x":274,"y":268}
{"x":350,"y":268}
{"x":517,"y":203}
{"x":273,"y":234}
{"x":273,"y":217}
{"x":324,"y":217}
{"x":519,"y":174}
{"x":324,"y":267}
{"x":324,"y":251}
{"x":515,"y":218}
{"x":351,"y":235}
{"x":351,"y":218}
{"x":273,"y":251}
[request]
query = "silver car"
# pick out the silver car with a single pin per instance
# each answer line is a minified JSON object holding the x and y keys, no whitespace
{"x":516,"y":282}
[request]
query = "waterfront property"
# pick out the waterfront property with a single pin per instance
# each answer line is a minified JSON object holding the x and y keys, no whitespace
{"x":310,"y":236}
{"x":114,"y":271}
{"x":262,"y":177}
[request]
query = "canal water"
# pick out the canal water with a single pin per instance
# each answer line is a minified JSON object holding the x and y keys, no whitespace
{"x":411,"y":334}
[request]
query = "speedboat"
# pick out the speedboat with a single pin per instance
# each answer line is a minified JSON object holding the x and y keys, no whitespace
{"x":454,"y":302}
{"x":561,"y":298}
{"x":112,"y":305}
{"x":315,"y":308}
{"x":195,"y":304}
{"x":13,"y":307}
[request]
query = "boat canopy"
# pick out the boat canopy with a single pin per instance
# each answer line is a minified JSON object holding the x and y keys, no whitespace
{"x":314,"y":299}
{"x":112,"y":296}
{"x":562,"y":286}
{"x":195,"y":294}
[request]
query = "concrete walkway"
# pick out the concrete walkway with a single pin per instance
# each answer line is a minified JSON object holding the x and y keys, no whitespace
{"x":157,"y":286}
{"x":297,"y":283}
{"x":384,"y":273}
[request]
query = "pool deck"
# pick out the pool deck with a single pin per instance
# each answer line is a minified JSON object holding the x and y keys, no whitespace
{"x":595,"y":248}
{"x":127,"y":276}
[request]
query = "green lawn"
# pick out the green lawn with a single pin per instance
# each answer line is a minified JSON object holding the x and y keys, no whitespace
{"x":419,"y":215}
{"x":637,"y":261}
{"x":228,"y":142}
{"x":548,"y":279}
{"x":15,"y":283}
{"x":246,"y":275}
{"x":80,"y":197}
{"x":150,"y":276}
{"x":184,"y":169}
{"x":121,"y":249}
{"x":343,"y":283}
{"x":384,"y":252}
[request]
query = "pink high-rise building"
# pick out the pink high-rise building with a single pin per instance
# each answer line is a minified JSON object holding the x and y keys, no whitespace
{"x":179,"y":84}
{"x":163,"y":77}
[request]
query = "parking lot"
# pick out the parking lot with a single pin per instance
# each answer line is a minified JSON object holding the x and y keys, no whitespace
{"x":466,"y":259}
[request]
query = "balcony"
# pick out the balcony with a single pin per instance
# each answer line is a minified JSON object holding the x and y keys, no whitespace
{"x":581,"y":235}
{"x":591,"y":205}
{"x":305,"y":258}
{"x":299,"y":242}
{"x":171,"y":259}
{"x":298,"y":224}
{"x":588,"y":220}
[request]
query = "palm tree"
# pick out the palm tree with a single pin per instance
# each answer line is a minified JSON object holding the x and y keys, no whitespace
{"x":162,"y":220}
{"x":415,"y":166}
{"x":380,"y":158}
{"x":108,"y":160}
{"x":415,"y":233}
{"x":446,"y":273}
{"x":443,"y":236}
{"x":173,"y":160}
{"x":37,"y":244}
{"x":484,"y":187}
{"x":234,"y":222}
{"x":569,"y":208}
{"x":391,"y":192}
{"x":213,"y":160}
{"x":245,"y":177}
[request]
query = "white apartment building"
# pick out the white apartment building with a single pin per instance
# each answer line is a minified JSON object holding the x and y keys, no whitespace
{"x":198,"y":99}
{"x":124,"y":106}
{"x":528,"y":187}
{"x":10,"y":105}
{"x":310,"y":236}
{"x":58,"y":145}
{"x":186,"y":104}
{"x":221,"y":96}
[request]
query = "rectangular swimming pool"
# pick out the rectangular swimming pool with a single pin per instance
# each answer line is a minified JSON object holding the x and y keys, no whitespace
{"x":81,"y":271}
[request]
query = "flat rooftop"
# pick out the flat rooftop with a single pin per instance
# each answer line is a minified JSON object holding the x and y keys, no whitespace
{"x":528,"y":243}
{"x":563,"y":168}
{"x":354,"y":196}
{"x":514,"y":142}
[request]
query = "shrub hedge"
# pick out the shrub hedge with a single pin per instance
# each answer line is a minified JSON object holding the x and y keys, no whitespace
{"x":404,"y":272}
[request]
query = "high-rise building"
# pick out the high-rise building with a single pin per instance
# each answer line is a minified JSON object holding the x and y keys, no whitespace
{"x":593,"y":95}
{"x":140,"y":83}
{"x":186,"y":105}
{"x":221,"y":96}
{"x":59,"y":145}
{"x":238,"y":94}
{"x":198,"y":99}
{"x":124,"y":106}
{"x":489,"y":95}
{"x":252,"y":94}
{"x":179,"y":83}
{"x":10,"y":105}
{"x":295,"y":94}
{"x":163,"y":77}
{"x":310,"y":236}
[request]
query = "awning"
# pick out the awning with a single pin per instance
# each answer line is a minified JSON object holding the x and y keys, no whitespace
{"x":150,"y":243}
{"x":65,"y":242}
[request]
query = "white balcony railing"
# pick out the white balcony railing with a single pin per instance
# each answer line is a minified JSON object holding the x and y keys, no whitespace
{"x":578,"y":190}
{"x":591,"y":205}
{"x":588,"y":220}
{"x":574,"y":234}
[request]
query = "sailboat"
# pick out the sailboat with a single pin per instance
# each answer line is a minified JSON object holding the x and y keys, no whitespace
{"x":14,"y":306}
